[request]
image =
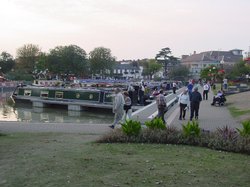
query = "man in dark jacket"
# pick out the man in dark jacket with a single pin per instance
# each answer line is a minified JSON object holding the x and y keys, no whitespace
{"x":195,"y":100}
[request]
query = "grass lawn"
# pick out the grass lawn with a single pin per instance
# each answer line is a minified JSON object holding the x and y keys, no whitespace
{"x":56,"y":159}
{"x":235,"y":112}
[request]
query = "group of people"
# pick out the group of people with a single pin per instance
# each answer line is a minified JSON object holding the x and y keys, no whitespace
{"x":122,"y":107}
{"x":186,"y":100}
{"x":138,"y":93}
{"x":192,"y":99}
{"x":189,"y":98}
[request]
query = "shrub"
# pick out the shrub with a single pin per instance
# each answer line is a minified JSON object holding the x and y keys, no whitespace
{"x":152,"y":136}
{"x":131,"y":127}
{"x":156,"y":123}
{"x":1,"y":134}
{"x":243,"y":144}
{"x":225,"y":138}
{"x":227,"y":133}
{"x":191,"y":129}
{"x":246,"y":128}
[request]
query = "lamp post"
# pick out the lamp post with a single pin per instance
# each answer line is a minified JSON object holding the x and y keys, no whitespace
{"x":222,"y":68}
{"x":212,"y":73}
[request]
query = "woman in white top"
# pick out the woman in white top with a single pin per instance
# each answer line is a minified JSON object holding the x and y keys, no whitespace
{"x":184,"y":104}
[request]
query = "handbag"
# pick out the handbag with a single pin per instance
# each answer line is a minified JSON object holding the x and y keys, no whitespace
{"x":126,"y":107}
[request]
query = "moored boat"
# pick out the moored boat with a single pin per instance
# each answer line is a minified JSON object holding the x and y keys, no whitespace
{"x":75,"y":98}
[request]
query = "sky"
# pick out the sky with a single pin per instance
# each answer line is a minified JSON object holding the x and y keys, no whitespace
{"x":131,"y":29}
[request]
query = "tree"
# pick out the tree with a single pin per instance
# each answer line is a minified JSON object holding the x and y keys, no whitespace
{"x":101,"y":61}
{"x":179,"y":72}
{"x":166,"y":59}
{"x":6,"y":62}
{"x":240,"y":69}
{"x":150,"y":67}
{"x":27,"y":57}
{"x":68,"y":60}
{"x":212,"y":73}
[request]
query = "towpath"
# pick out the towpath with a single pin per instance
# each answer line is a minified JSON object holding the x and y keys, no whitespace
{"x":210,"y":117}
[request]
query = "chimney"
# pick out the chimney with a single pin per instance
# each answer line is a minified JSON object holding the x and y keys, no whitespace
{"x":194,"y":52}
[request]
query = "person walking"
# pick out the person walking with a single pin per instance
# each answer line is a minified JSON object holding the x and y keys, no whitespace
{"x":131,"y":92}
{"x":205,"y":91}
{"x":118,"y":110}
{"x":195,"y":100}
{"x":161,"y":105}
{"x":224,"y":84}
{"x":184,"y":104}
{"x":174,"y":87}
{"x":127,"y":107}
{"x":190,"y":87}
{"x":141,"y":94}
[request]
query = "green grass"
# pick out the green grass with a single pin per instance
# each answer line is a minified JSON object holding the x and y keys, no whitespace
{"x":54,"y":159}
{"x":235,"y":112}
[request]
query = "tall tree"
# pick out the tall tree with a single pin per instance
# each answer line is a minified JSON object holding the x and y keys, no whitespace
{"x":68,"y":60}
{"x":150,"y":67}
{"x":179,"y":72}
{"x":41,"y":62}
{"x":101,"y":61}
{"x":166,"y":58}
{"x":27,"y":57}
{"x":6,"y":62}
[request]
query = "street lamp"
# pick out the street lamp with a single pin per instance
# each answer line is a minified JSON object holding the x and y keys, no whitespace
{"x":212,"y":72}
{"x":222,"y":69}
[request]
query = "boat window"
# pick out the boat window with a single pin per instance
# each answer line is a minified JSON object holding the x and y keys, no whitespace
{"x":59,"y":95}
{"x":27,"y":92}
{"x":44,"y":94}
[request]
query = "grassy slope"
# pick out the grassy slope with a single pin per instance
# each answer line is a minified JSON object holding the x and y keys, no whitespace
{"x":46,"y":159}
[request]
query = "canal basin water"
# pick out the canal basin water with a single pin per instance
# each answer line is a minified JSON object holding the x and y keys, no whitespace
{"x":24,"y":112}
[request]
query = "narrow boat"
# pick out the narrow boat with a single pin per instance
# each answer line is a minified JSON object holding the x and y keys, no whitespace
{"x":75,"y":98}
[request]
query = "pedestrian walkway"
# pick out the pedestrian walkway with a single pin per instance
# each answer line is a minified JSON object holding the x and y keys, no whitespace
{"x":210,"y":117}
{"x":90,"y":129}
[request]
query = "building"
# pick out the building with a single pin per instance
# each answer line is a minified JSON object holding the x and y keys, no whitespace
{"x":198,"y":61}
{"x":126,"y":70}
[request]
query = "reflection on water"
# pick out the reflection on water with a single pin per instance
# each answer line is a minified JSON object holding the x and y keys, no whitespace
{"x":26,"y":113}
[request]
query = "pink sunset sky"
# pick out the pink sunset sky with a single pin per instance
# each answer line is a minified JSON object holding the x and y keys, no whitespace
{"x":132,"y":29}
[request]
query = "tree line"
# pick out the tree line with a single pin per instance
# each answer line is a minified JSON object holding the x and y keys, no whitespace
{"x":30,"y":61}
{"x":62,"y":61}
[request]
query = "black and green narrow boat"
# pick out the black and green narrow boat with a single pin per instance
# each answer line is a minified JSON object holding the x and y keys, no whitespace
{"x":85,"y":97}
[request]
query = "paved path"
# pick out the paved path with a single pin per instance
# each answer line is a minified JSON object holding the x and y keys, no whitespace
{"x":210,"y":117}
{"x":94,"y":129}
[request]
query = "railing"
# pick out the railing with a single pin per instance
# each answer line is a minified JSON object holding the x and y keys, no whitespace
{"x":150,"y":111}
{"x":169,"y":105}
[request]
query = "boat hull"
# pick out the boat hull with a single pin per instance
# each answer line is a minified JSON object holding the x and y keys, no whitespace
{"x":68,"y":96}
